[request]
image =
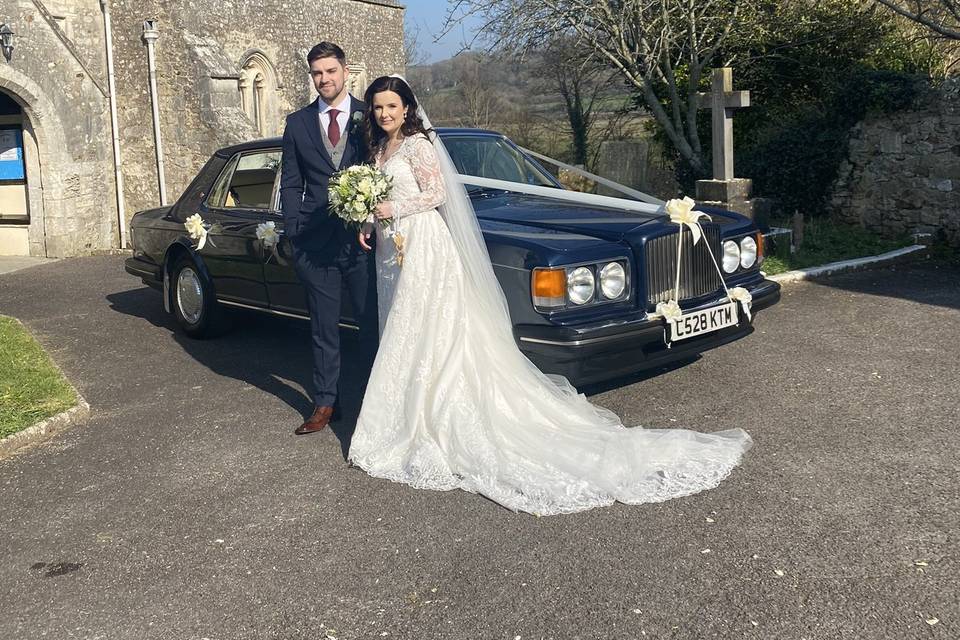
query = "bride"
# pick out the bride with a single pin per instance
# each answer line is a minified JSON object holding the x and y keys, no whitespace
{"x":452,"y":403}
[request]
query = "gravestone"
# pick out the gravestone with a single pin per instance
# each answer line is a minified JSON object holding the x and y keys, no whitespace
{"x":623,"y":161}
{"x":638,"y":165}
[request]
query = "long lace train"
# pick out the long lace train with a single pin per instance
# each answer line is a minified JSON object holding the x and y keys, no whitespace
{"x":452,"y":403}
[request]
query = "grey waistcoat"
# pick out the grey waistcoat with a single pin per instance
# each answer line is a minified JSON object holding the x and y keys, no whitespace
{"x":336,"y":153}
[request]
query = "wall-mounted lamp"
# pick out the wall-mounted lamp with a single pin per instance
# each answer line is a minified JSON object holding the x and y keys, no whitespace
{"x":6,"y":40}
{"x":150,"y":32}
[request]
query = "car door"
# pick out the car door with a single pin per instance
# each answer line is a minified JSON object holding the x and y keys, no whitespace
{"x":238,"y":202}
{"x":284,"y":290}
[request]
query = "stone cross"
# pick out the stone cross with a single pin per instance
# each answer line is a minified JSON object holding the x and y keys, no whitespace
{"x":722,"y":100}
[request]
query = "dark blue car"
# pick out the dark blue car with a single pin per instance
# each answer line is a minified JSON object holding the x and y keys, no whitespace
{"x":582,"y":282}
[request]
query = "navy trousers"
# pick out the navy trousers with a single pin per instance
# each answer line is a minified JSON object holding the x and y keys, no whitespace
{"x":324,"y":281}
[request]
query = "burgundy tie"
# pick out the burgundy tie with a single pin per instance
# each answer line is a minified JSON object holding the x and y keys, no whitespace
{"x":333,"y":129}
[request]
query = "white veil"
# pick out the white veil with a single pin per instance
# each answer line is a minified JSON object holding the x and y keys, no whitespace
{"x":461,"y":220}
{"x":489,"y":301}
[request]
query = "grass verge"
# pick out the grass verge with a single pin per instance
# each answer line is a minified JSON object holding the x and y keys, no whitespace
{"x":31,"y":387}
{"x":825,"y":241}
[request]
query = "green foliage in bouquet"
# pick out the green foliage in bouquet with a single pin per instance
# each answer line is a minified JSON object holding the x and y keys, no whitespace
{"x":356,"y":192}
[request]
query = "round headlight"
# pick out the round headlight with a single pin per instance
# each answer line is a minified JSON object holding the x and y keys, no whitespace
{"x":613,"y":280}
{"x":580,"y":285}
{"x":748,"y":252}
{"x":731,"y":256}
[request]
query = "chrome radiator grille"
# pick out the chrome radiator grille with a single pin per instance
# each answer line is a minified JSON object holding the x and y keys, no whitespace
{"x":698,"y":273}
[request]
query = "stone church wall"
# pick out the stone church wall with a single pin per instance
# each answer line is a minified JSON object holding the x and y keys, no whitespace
{"x":199,"y":54}
{"x":60,"y":81}
{"x":903,"y":172}
{"x":207,"y":51}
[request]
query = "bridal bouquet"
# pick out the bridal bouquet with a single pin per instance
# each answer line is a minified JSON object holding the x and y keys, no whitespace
{"x":355,"y":194}
{"x":356,"y":191}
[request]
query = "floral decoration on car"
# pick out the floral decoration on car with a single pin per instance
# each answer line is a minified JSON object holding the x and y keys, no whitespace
{"x":200,"y":231}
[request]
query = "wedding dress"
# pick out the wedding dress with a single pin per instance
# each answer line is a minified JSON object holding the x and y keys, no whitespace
{"x":452,"y":403}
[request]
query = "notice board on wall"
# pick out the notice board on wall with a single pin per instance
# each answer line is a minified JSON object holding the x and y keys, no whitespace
{"x":11,"y":154}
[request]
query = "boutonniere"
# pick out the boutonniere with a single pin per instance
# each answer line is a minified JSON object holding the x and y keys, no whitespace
{"x":355,"y":119}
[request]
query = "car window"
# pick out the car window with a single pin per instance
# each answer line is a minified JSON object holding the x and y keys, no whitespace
{"x":250,"y":186}
{"x":495,"y":158}
{"x":200,"y":187}
{"x":218,"y":192}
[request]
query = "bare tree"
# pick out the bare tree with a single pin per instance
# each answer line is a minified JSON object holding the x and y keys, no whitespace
{"x":589,"y":91}
{"x":580,"y":81}
{"x":660,"y":47}
{"x":481,"y":103}
{"x":940,"y":16}
{"x":413,"y":52}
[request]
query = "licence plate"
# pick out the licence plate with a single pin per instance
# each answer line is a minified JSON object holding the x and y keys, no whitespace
{"x":697,"y":323}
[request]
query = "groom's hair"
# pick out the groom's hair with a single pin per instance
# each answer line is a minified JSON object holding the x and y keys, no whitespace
{"x":327,"y":50}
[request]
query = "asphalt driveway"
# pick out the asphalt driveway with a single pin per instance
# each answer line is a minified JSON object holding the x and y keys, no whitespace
{"x":184,"y":507}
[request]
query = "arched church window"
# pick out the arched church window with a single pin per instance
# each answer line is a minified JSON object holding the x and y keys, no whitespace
{"x":258,"y":93}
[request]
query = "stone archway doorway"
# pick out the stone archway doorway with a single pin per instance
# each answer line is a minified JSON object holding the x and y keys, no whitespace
{"x":14,"y":200}
{"x":48,"y":196}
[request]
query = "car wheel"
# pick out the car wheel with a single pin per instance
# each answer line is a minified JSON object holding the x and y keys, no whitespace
{"x":194,"y":302}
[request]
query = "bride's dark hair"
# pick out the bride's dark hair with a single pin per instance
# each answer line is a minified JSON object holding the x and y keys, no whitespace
{"x":412,"y":123}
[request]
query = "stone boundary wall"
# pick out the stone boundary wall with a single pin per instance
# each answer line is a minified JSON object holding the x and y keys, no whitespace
{"x":902,"y":175}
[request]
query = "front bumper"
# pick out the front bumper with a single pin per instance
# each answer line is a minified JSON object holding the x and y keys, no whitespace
{"x":597,"y":352}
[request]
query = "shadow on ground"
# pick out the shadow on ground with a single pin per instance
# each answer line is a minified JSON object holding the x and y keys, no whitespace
{"x":267,"y":352}
{"x":272,"y":354}
{"x":922,"y":282}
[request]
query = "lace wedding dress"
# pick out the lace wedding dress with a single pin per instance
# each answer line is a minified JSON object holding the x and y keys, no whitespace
{"x":453,"y":404}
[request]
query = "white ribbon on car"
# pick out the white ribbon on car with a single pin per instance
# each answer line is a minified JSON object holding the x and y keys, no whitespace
{"x":269,"y":236}
{"x":200,"y":230}
{"x":681,"y":211}
{"x":561,"y":194}
{"x":616,"y":186}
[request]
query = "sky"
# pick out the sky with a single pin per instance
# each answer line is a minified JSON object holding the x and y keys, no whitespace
{"x":429,"y":16}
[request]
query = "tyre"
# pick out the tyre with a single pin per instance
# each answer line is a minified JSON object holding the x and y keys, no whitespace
{"x":194,"y":301}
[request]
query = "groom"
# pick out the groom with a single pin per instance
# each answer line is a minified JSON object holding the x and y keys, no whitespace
{"x":319,"y":140}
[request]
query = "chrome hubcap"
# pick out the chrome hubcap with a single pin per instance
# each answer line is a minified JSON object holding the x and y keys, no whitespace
{"x":189,"y":295}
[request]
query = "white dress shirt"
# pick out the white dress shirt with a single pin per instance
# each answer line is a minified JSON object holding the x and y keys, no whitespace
{"x":342,"y":118}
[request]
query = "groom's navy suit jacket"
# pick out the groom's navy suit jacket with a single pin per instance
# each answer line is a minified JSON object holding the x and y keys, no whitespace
{"x":305,"y":176}
{"x":326,"y":255}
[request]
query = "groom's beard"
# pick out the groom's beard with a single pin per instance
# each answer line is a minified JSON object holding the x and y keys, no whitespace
{"x":332,"y":92}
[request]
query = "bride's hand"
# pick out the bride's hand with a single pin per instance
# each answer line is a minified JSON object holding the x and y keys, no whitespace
{"x":364,"y":236}
{"x":385,"y":210}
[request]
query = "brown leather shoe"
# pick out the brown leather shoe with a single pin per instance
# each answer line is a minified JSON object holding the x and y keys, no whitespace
{"x":318,"y":421}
